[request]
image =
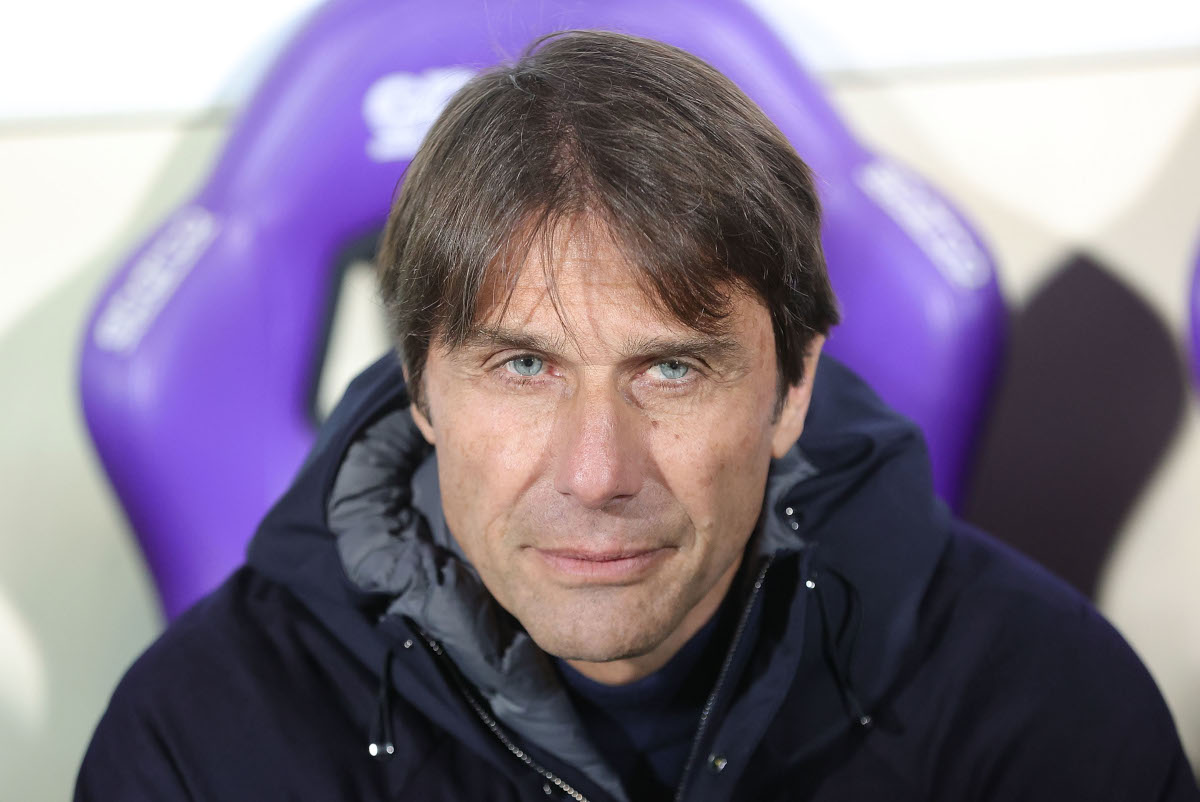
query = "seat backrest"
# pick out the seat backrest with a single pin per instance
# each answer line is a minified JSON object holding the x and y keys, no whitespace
{"x":199,"y":362}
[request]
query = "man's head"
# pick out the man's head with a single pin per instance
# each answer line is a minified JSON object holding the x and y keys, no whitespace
{"x":605,"y":274}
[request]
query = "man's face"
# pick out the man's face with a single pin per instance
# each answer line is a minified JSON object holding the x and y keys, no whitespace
{"x":604,"y":476}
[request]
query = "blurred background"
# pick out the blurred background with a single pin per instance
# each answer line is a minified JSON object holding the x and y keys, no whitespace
{"x":1067,"y":132}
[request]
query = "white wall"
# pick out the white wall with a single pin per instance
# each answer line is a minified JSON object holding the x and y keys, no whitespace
{"x":155,"y":57}
{"x":1010,"y":112}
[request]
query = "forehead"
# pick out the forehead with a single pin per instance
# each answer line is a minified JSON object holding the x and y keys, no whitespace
{"x":578,"y":277}
{"x":578,"y":285}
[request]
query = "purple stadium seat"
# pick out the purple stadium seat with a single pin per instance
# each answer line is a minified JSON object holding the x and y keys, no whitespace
{"x":199,"y":362}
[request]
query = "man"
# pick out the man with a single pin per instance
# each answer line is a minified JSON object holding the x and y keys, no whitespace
{"x":633,"y":538}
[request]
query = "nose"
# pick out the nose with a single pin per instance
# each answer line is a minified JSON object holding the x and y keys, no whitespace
{"x":599,"y":453}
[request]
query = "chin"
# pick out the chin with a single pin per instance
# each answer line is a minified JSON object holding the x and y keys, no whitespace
{"x":596,"y":650}
{"x":601,"y":633}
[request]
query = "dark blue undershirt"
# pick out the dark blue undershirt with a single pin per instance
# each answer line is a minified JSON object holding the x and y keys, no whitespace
{"x":645,"y":729}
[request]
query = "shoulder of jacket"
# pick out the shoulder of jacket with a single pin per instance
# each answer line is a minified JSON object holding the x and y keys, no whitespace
{"x":1035,"y":687}
{"x":220,"y":637}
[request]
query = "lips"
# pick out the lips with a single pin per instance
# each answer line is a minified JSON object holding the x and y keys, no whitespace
{"x":617,"y":566}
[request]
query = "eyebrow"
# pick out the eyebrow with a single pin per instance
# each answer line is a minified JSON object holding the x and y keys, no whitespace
{"x":492,"y":337}
{"x":707,"y":348}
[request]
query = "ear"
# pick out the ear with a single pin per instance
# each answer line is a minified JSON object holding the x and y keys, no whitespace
{"x":795,"y":404}
{"x":420,"y":414}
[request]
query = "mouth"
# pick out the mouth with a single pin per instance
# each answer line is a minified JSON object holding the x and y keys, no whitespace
{"x":610,"y":567}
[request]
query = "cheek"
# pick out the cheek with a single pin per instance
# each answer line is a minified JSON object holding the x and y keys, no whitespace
{"x":489,"y":452}
{"x":715,"y":464}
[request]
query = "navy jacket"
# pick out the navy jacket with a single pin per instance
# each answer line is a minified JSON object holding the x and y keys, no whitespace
{"x":884,"y":651}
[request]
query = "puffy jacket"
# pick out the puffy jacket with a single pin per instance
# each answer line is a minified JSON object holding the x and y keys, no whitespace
{"x":884,"y":650}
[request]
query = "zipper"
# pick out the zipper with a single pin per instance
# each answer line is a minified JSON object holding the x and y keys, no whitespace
{"x":494,"y":727}
{"x":706,"y":712}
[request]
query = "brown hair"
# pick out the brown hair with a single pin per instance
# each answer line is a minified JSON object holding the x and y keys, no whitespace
{"x":686,"y":174}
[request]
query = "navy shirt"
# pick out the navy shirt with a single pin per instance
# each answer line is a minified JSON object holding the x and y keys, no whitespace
{"x":644,"y":729}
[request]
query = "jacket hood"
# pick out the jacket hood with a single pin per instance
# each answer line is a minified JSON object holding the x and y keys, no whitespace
{"x":849,"y":518}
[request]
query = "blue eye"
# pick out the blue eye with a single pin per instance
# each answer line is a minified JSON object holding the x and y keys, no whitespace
{"x":525,"y":365}
{"x":672,"y":369}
